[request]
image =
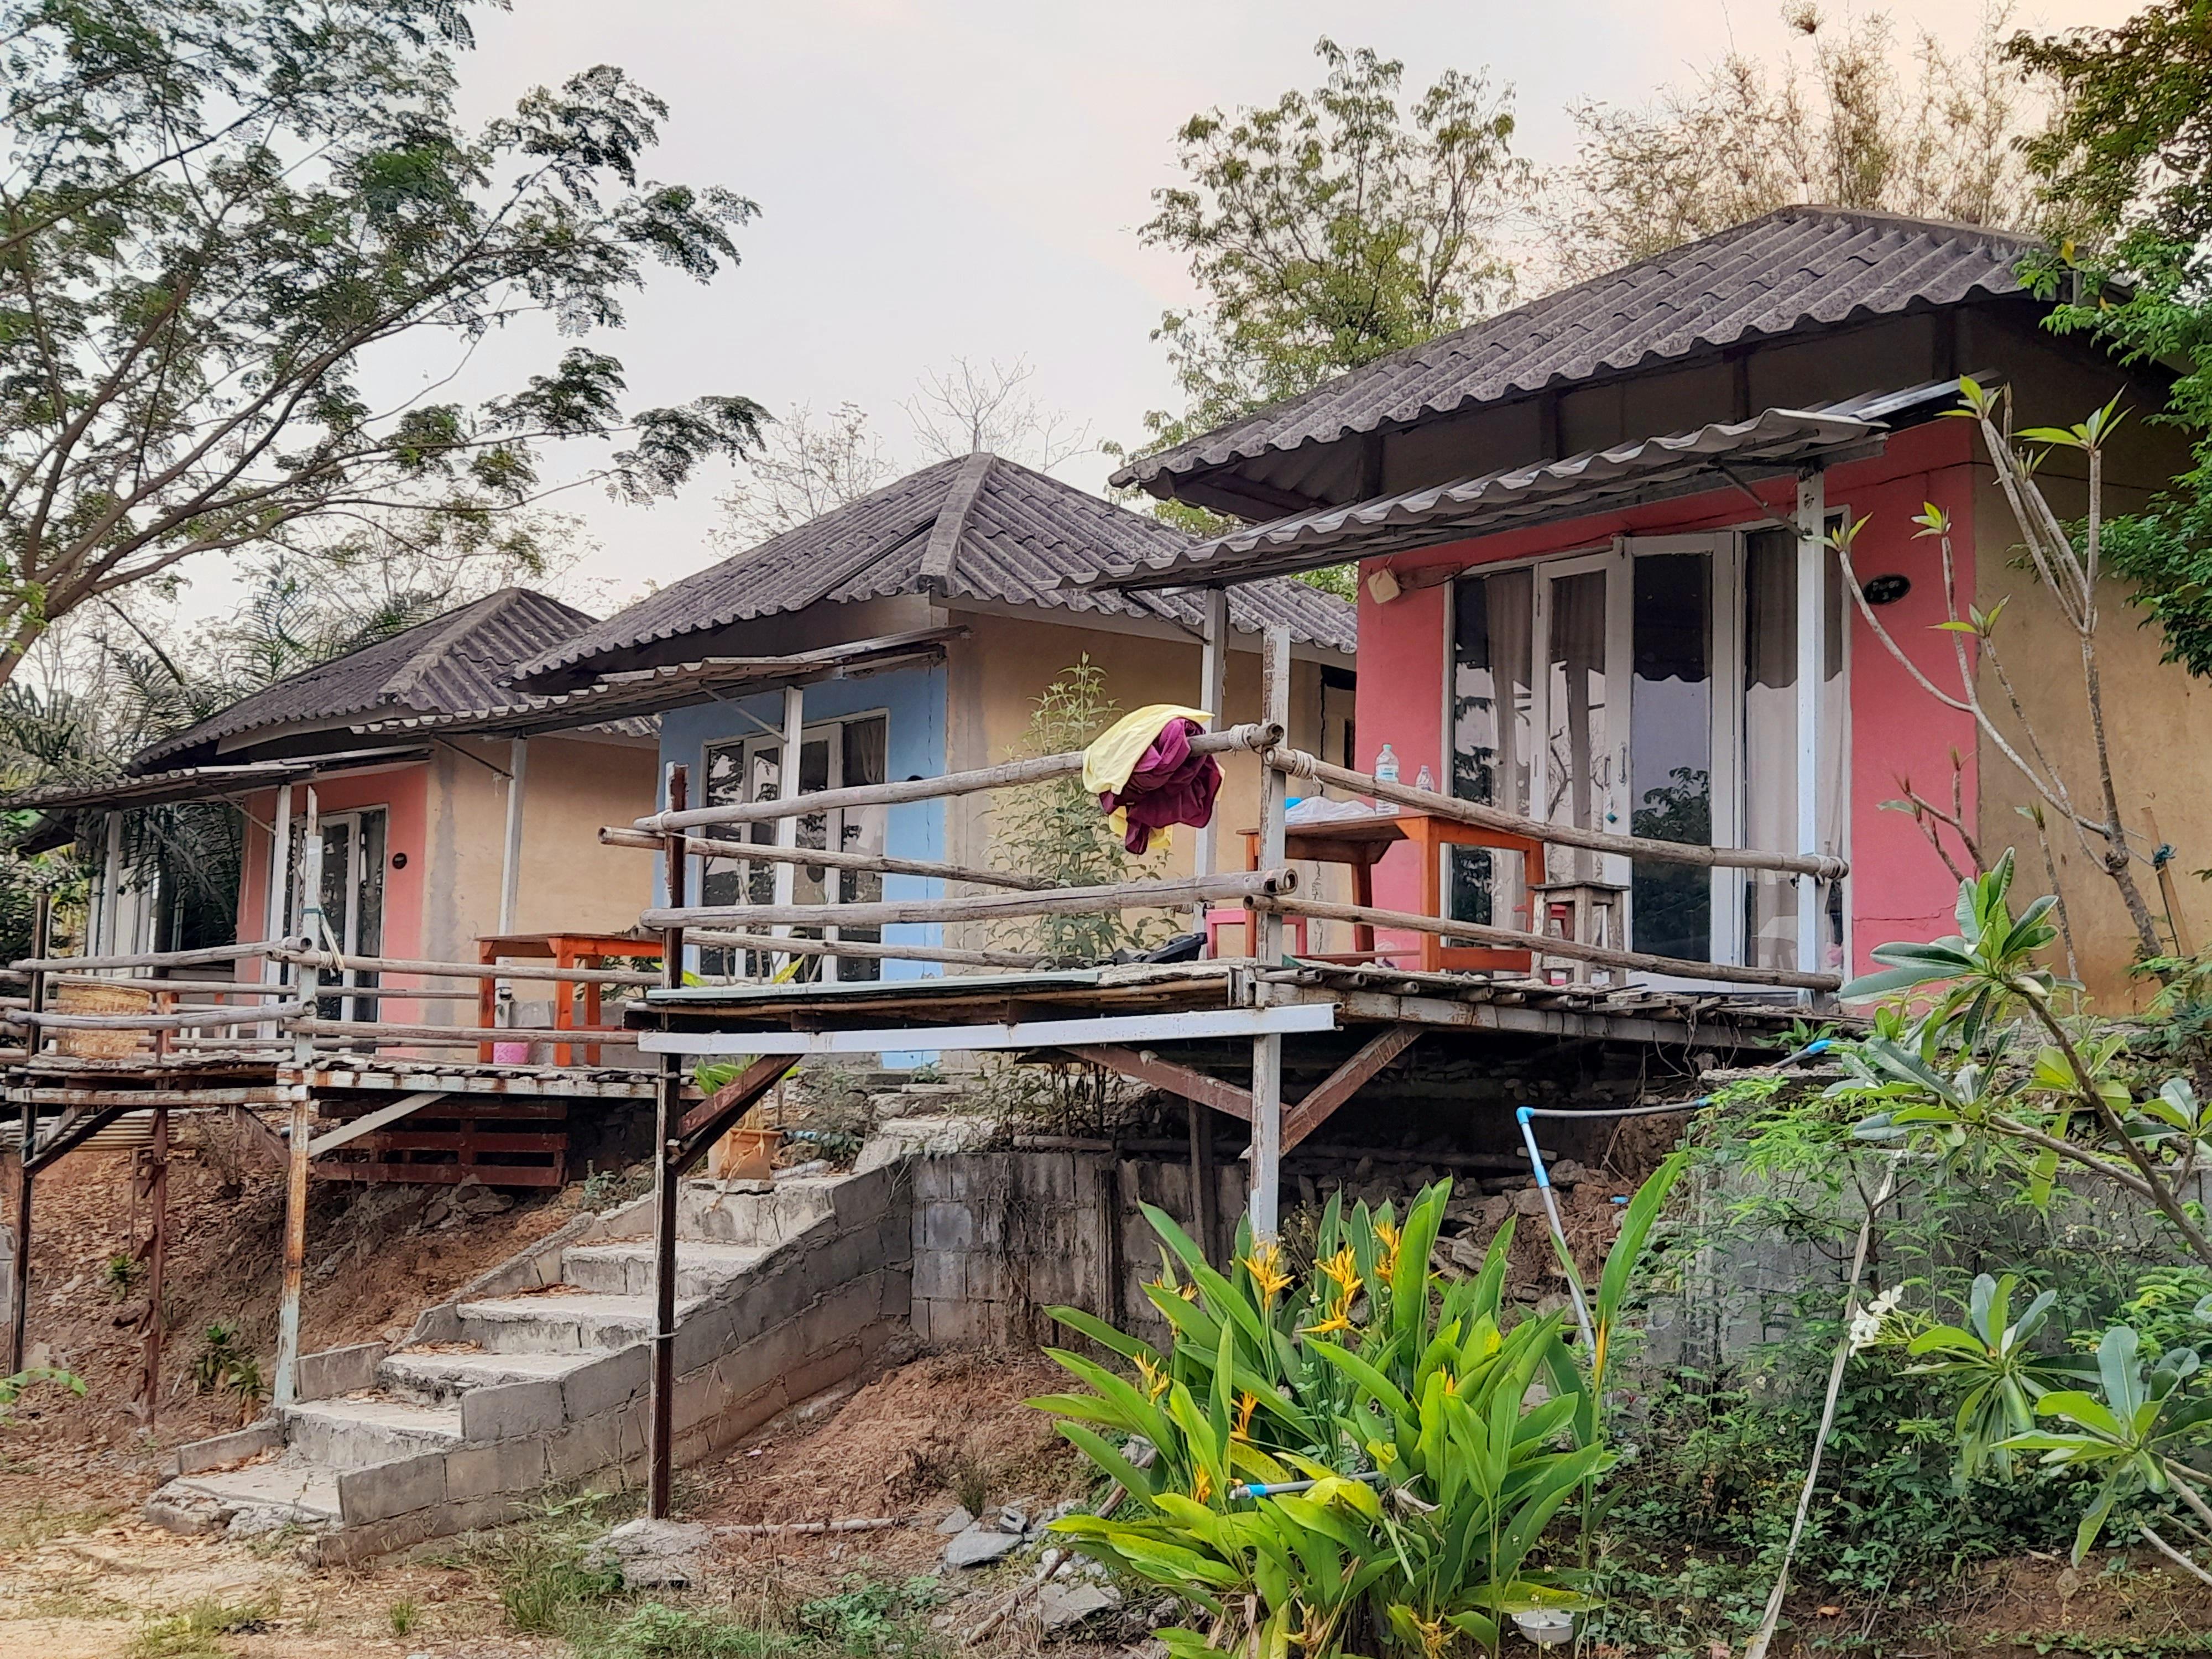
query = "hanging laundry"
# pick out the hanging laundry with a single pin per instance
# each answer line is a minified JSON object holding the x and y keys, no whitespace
{"x":1142,"y":768}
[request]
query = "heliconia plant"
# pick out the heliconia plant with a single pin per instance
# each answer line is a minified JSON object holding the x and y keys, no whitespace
{"x":1430,"y":1440}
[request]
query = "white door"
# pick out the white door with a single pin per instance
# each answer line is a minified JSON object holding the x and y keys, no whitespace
{"x":352,"y":899}
{"x":1581,"y":693}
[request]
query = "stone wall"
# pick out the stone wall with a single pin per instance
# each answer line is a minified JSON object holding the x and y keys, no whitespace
{"x":998,"y":1237}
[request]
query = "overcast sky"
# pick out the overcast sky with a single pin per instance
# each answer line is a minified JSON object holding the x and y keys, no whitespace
{"x":941,"y":179}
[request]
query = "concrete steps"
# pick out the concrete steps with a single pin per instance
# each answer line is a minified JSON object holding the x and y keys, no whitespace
{"x":356,"y":1433}
{"x":625,"y":1268}
{"x":440,"y":1378}
{"x":539,"y":1374}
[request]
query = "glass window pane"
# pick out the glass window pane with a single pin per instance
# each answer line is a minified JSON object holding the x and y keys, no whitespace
{"x":1670,"y":748}
{"x":1491,"y":723}
{"x":1579,"y":768}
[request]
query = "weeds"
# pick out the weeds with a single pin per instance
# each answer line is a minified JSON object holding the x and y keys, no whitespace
{"x":972,"y":1484}
{"x":654,"y":1631}
{"x":121,"y":1275}
{"x":26,"y":1529}
{"x":194,"y":1634}
{"x":403,"y":1617}
{"x":225,"y":1365}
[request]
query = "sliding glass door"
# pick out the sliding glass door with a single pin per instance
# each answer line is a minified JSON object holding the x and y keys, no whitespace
{"x":1649,"y":688}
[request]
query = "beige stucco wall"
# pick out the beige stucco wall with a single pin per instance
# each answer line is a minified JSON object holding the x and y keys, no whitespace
{"x":995,"y":676}
{"x":2158,"y":718}
{"x":568,"y":880}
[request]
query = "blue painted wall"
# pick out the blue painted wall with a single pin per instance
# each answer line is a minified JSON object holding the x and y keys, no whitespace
{"x":914,"y":700}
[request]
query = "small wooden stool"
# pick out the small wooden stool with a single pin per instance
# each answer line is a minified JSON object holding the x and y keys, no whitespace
{"x":1587,"y":912}
{"x":1220,"y":921}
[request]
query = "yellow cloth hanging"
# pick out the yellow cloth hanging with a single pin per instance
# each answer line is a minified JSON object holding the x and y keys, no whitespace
{"x":1115,"y":752}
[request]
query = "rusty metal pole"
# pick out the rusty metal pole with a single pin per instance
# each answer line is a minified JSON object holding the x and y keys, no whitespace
{"x":667,"y":1118}
{"x":18,"y":1272}
{"x":285,"y":1390}
{"x":157,"y":1256}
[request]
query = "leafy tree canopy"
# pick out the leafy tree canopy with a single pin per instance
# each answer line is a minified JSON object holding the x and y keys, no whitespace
{"x":214,"y":213}
{"x":2128,"y":162}
{"x":1330,"y":228}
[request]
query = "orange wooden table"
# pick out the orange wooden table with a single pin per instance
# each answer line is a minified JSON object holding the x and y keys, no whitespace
{"x":1361,"y":843}
{"x":562,"y":950}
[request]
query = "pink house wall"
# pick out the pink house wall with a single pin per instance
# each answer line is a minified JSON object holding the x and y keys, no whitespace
{"x":403,"y":792}
{"x":1899,"y":887}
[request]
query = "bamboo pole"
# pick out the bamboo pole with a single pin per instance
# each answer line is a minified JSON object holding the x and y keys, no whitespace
{"x":1267,"y":1145}
{"x":1298,"y":763}
{"x":152,"y":1022}
{"x":466,"y":970}
{"x":1545,"y":945}
{"x":1181,"y":890}
{"x":251,"y":988}
{"x":867,"y":951}
{"x":704,"y":847}
{"x":379,"y":1031}
{"x":286,"y":1385}
{"x":144,"y":959}
{"x":1011,"y":775}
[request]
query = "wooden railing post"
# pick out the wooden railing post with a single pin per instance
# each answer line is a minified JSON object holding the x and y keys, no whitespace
{"x":285,"y":1389}
{"x":1267,"y":1049}
{"x":668,"y":1117}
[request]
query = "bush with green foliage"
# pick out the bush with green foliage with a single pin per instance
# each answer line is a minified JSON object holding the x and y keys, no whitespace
{"x":1428,"y":1437}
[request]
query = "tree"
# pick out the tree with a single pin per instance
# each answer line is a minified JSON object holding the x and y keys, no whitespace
{"x":1330,"y":227}
{"x":2126,"y":164}
{"x":217,"y":215}
{"x":1845,"y":126}
{"x":806,"y":466}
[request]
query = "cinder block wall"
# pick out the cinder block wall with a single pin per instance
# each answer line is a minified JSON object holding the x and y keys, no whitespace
{"x":1000,"y":1236}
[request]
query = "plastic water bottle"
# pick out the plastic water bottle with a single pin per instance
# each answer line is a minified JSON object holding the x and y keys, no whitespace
{"x":1426,"y":782}
{"x":1386,"y":771}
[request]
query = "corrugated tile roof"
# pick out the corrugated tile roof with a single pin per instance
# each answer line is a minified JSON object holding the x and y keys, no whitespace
{"x":976,"y":527}
{"x":1803,"y":267}
{"x":460,"y":660}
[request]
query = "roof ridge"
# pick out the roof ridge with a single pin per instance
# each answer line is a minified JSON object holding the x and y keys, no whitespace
{"x":458,"y":623}
{"x":935,"y":576}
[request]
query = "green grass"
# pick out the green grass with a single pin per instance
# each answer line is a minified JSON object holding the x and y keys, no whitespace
{"x":42,"y":1523}
{"x":195,"y":1633}
{"x":403,"y":1617}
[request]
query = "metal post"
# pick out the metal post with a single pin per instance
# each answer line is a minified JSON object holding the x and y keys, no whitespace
{"x":1811,"y":642}
{"x":1213,"y":697}
{"x":1267,"y":1050}
{"x":295,"y":1179}
{"x":668,"y":1117}
{"x":510,"y":866}
{"x":275,"y":901}
{"x":18,"y":1271}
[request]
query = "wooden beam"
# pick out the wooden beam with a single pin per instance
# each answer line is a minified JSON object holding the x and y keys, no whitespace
{"x":70,"y":1133}
{"x":264,"y":1139}
{"x":863,"y":950}
{"x":1164,"y":1074}
{"x":1346,"y":1081}
{"x":370,"y":1123}
{"x":713,"y":1117}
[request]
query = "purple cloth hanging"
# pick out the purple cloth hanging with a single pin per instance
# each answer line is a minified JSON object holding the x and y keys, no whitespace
{"x":1168,"y":785}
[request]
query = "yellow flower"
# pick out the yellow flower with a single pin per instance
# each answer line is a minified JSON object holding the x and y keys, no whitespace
{"x":1314,"y":1629}
{"x":1154,"y":1379}
{"x":1188,"y":1292}
{"x":1387,"y":1235}
{"x":1339,"y":1316}
{"x":1343,"y":1267}
{"x":1245,"y":1404}
{"x":1201,"y":1485}
{"x":1265,"y":1264}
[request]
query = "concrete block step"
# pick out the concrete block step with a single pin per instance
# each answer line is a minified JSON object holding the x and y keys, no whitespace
{"x":625,"y":1268}
{"x":571,"y":1323}
{"x":353,"y":1433}
{"x":440,"y":1379}
{"x":752,"y":1213}
{"x":309,"y":1496}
